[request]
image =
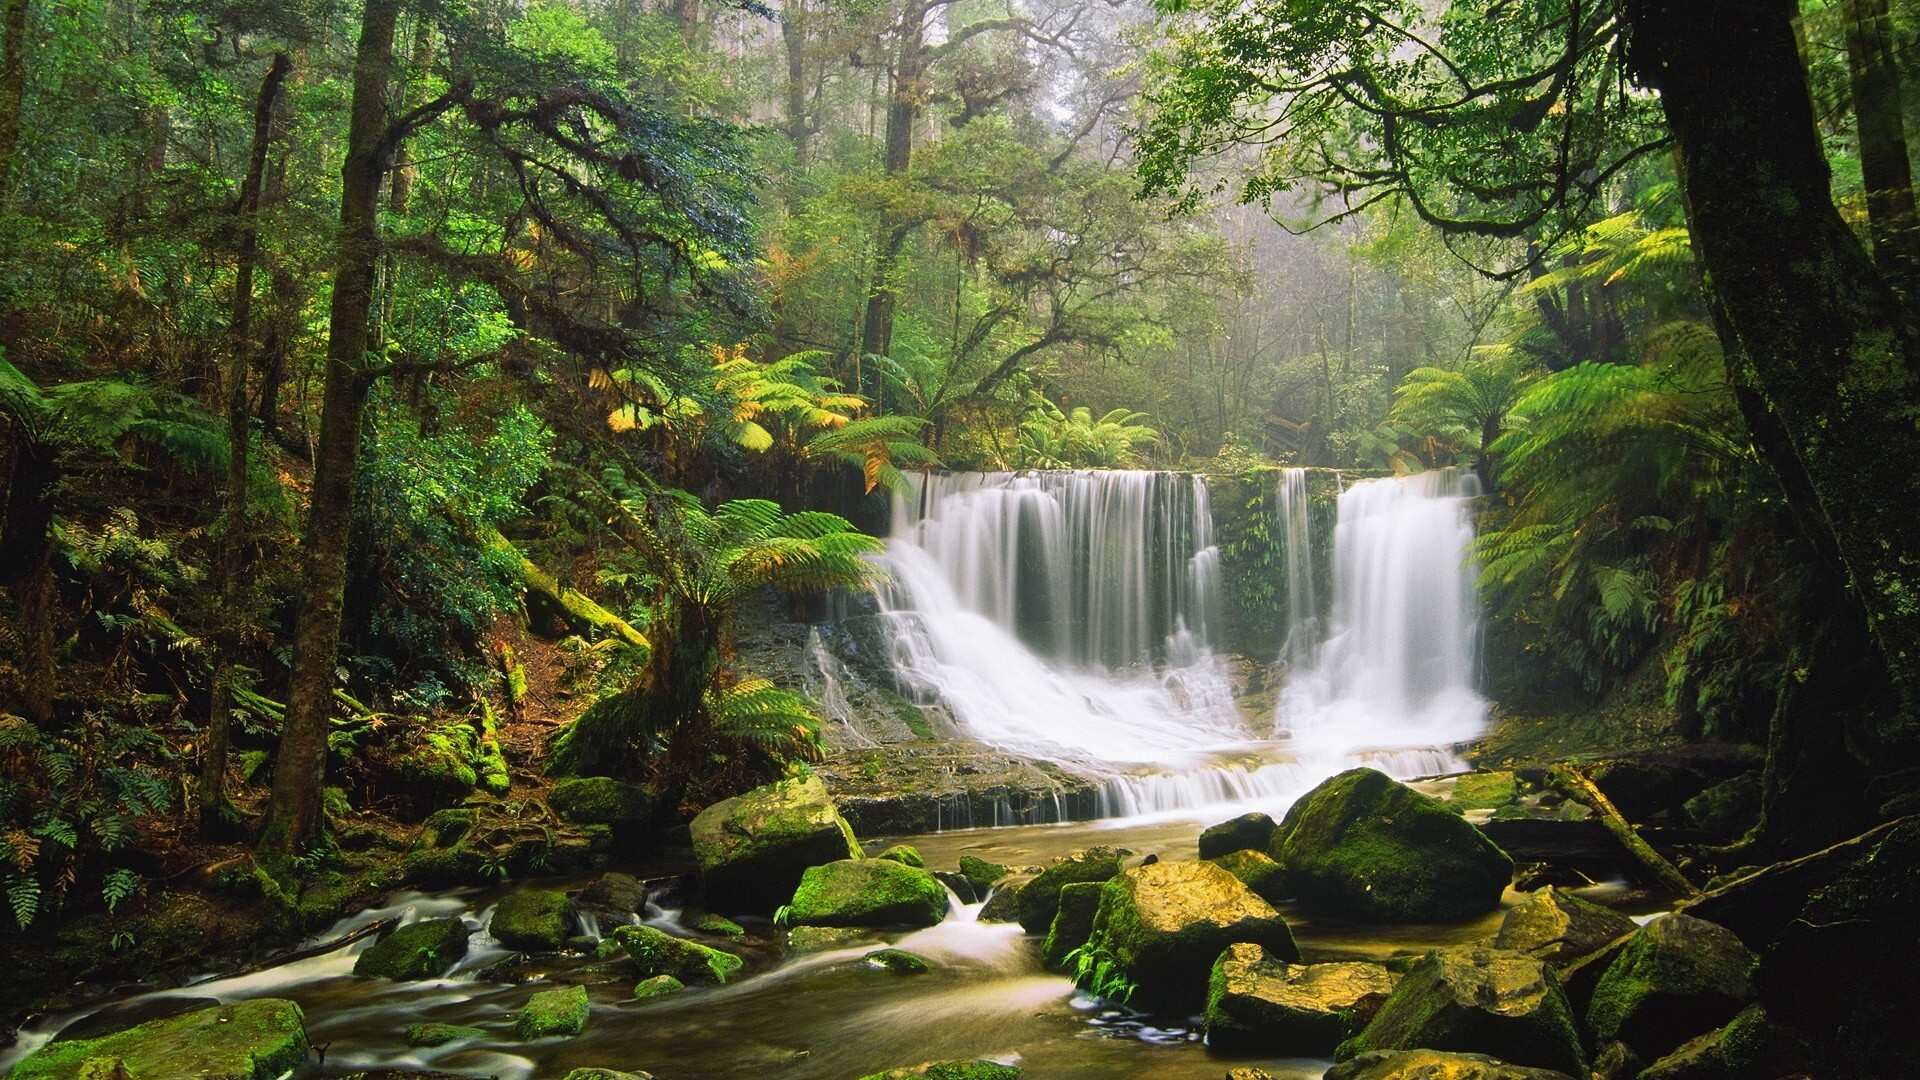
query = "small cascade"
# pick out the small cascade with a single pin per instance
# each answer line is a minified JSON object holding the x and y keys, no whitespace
{"x":1303,"y":605}
{"x":1392,"y":683}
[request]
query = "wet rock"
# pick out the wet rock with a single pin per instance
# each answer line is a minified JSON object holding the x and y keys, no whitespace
{"x":1003,"y":904}
{"x":1434,"y":1065}
{"x":121,"y":1015}
{"x":905,"y":855}
{"x":534,"y":920}
{"x":961,"y":886}
{"x":422,"y":950}
{"x":605,"y":1074}
{"x":867,"y":892}
{"x":1256,"y":872}
{"x":1478,"y":1001}
{"x":899,"y":961}
{"x":1039,"y":899}
{"x":1559,"y":927}
{"x":656,"y":952}
{"x":554,"y":1012}
{"x":1484,"y":791}
{"x":1259,"y":1004}
{"x":441,"y":1034}
{"x":1362,"y":845}
{"x":1079,"y":901}
{"x":752,"y":849}
{"x":1248,"y":832}
{"x":620,"y":893}
{"x":1248,"y":1072}
{"x":981,"y":873}
{"x":1675,"y":978}
{"x":1660,"y":781}
{"x":248,"y":1040}
{"x":950,"y":1070}
{"x":807,"y":939}
{"x":1617,"y":1061}
{"x":658,"y":986}
{"x":1727,"y":809}
{"x":1159,"y":928}
{"x":706,"y":922}
{"x":601,"y":800}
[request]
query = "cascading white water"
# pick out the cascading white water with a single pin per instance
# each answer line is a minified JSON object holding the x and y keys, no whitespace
{"x":1069,"y":616}
{"x":1303,"y":607}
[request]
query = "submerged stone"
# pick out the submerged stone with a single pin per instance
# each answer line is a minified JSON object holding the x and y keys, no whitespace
{"x":1259,"y":1004}
{"x":1079,"y":902}
{"x":1478,"y":1001}
{"x":1675,"y":978}
{"x":1363,"y":845}
{"x":1039,"y":899}
{"x":752,"y":849}
{"x":656,"y":952}
{"x":867,"y":892}
{"x":1256,"y":872}
{"x":561,"y":1011}
{"x":533,"y":920}
{"x":824,"y":938}
{"x":605,"y":1074}
{"x":259,"y":1039}
{"x":899,"y":961}
{"x":441,"y":1034}
{"x":1248,"y":832}
{"x":422,"y":950}
{"x":1559,"y":927}
{"x":658,"y":986}
{"x":1434,"y":1065}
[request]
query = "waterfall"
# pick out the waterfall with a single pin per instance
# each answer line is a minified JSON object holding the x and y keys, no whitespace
{"x":1303,"y":607}
{"x":1393,"y":679}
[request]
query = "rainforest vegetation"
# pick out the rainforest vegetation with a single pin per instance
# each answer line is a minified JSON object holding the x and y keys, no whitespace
{"x":415,"y":408}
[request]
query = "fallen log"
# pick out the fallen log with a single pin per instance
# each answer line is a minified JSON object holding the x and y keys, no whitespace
{"x":580,"y":608}
{"x":1576,"y":785}
{"x":1760,"y":906}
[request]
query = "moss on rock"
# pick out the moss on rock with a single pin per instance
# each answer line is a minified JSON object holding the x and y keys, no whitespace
{"x":259,"y":1039}
{"x":1478,"y":1001}
{"x":980,"y":873}
{"x":899,"y":961}
{"x":1248,"y":832}
{"x":1039,"y":899}
{"x":752,"y":849}
{"x":905,"y":855}
{"x":823,"y":938}
{"x":561,"y":1011}
{"x":421,"y":950}
{"x":1079,"y":903}
{"x":1558,"y":927}
{"x":1257,"y":872}
{"x":707,"y":922}
{"x":657,"y":986}
{"x":1003,"y":903}
{"x":1259,"y":1004}
{"x":656,"y":952}
{"x":1484,"y":791}
{"x":533,"y":920}
{"x":1675,"y":978}
{"x":1365,"y":846}
{"x":950,"y":1070}
{"x":441,"y":1034}
{"x":867,"y":892}
{"x":1434,"y":1065}
{"x":601,"y":800}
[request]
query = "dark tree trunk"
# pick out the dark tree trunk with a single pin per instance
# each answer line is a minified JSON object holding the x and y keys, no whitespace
{"x":216,"y":810}
{"x":1821,"y":335}
{"x":903,"y":108}
{"x":294,"y":820}
{"x":793,"y":35}
{"x":13,"y":80}
{"x":1874,"y":80}
{"x":418,"y":68}
{"x":26,"y":557}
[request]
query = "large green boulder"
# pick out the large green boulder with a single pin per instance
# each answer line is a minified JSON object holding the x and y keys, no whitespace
{"x":1256,"y":872}
{"x":1434,"y":1065}
{"x":1079,"y":903}
{"x":421,"y":950}
{"x":753,"y":848}
{"x":533,"y":920}
{"x":260,"y":1039}
{"x":1676,"y":977}
{"x":951,"y":1070}
{"x":1259,"y":1004}
{"x":601,"y":800}
{"x":1364,"y":846}
{"x":1039,"y":899}
{"x":561,"y":1011}
{"x":905,"y":855}
{"x":1248,"y":832}
{"x":980,"y":873}
{"x":1003,"y":903}
{"x":867,"y":892}
{"x":1559,"y":927}
{"x":1478,"y":1001}
{"x":1159,"y":928}
{"x":656,"y":952}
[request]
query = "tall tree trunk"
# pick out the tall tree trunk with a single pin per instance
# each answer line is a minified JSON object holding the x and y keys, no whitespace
{"x":1874,"y":80}
{"x":13,"y":81}
{"x":903,"y":108}
{"x":216,"y":810}
{"x":294,"y":820}
{"x":793,"y":35}
{"x":1820,"y":334}
{"x":418,"y":68}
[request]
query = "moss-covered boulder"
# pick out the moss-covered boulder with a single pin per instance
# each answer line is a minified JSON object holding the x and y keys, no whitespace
{"x":534,"y":920}
{"x":950,"y":1070}
{"x":1434,"y":1065}
{"x":1675,"y":978}
{"x":753,"y":848}
{"x":980,"y":873}
{"x":1248,"y":832}
{"x":899,"y":961}
{"x":622,"y":894}
{"x":1257,"y":872}
{"x":441,"y":1034}
{"x":561,"y":1011}
{"x":806,"y":939}
{"x":656,"y":952}
{"x":905,"y":855}
{"x":1364,"y":846}
{"x":601,"y":800}
{"x":1478,"y":1001}
{"x":1159,"y":928}
{"x":248,"y":1040}
{"x":1259,"y":1004}
{"x":867,"y":892}
{"x":1727,"y":809}
{"x":1558,"y":927}
{"x":1484,"y":791}
{"x":1079,"y":903}
{"x":421,"y":950}
{"x":657,"y":986}
{"x":701,"y":921}
{"x":1039,"y":899}
{"x":1003,"y":903}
